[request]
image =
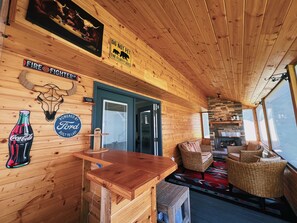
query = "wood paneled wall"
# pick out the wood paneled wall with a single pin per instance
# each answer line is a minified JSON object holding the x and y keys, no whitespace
{"x":48,"y":189}
{"x":290,"y":187}
{"x":4,"y":5}
{"x":149,"y":74}
{"x":178,"y":124}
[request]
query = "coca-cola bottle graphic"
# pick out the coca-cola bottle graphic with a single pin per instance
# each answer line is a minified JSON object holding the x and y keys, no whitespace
{"x":20,"y":142}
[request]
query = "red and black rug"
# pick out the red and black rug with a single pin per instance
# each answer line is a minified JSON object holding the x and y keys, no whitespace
{"x":215,"y":183}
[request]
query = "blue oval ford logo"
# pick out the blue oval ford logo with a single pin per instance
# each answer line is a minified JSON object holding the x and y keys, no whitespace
{"x":67,"y":125}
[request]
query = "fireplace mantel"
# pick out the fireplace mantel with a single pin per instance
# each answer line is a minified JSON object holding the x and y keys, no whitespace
{"x":226,"y":123}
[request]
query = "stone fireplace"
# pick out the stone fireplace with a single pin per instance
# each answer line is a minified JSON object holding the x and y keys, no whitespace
{"x":225,"y":123}
{"x":226,"y":136}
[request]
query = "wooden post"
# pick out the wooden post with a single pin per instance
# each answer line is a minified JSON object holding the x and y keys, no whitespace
{"x":105,"y":212}
{"x":154,"y":204}
{"x":202,"y":125}
{"x":293,"y":88}
{"x":266,"y":124}
{"x":97,"y":139}
{"x":187,"y":208}
{"x":86,"y":166}
{"x":256,"y":124}
{"x":96,"y":142}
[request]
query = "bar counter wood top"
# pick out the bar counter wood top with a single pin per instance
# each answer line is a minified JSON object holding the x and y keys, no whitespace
{"x":125,"y":172}
{"x":128,"y":174}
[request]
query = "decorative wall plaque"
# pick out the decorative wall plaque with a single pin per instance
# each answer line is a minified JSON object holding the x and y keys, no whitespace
{"x":20,"y":141}
{"x":67,"y":20}
{"x":50,"y":95}
{"x":67,"y":125}
{"x":51,"y":70}
{"x":120,"y":53}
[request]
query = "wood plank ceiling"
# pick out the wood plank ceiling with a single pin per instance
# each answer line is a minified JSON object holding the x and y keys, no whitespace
{"x":223,"y":46}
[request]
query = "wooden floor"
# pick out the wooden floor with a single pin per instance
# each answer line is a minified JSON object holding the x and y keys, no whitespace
{"x":206,"y":209}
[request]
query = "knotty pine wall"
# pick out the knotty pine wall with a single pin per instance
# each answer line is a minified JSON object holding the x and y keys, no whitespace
{"x":290,"y":187}
{"x":48,"y":189}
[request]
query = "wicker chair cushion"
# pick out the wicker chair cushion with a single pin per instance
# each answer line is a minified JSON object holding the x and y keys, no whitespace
{"x":206,"y":156}
{"x":195,"y":145}
{"x":252,"y":146}
{"x":270,"y":159}
{"x":234,"y":156}
{"x":190,"y":146}
{"x":185,"y":146}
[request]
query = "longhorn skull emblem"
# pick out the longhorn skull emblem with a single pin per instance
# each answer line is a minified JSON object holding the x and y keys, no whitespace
{"x":50,"y":95}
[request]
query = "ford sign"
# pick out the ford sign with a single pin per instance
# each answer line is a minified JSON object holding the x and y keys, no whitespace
{"x":67,"y":125}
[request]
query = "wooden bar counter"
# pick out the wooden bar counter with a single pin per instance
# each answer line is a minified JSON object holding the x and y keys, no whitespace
{"x":128,"y":184}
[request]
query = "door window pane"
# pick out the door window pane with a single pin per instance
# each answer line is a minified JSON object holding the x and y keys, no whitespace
{"x":146,"y":133}
{"x":205,"y":125}
{"x":115,"y":123}
{"x":261,"y":124}
{"x":249,"y":125}
{"x":281,"y":121}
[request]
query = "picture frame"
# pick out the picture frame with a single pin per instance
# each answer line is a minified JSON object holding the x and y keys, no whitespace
{"x":67,"y":20}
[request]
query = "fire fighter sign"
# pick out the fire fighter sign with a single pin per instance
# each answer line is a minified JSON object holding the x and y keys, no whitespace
{"x":51,"y":70}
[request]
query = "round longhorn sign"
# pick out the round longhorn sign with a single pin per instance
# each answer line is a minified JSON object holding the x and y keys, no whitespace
{"x":67,"y":125}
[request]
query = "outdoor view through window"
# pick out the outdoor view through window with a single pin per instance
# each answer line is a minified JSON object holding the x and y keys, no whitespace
{"x":249,"y":126}
{"x":281,"y":121}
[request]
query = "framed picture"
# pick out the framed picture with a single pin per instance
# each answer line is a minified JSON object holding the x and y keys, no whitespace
{"x":67,"y":20}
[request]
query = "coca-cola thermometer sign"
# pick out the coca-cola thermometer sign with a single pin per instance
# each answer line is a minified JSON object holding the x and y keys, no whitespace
{"x":67,"y":125}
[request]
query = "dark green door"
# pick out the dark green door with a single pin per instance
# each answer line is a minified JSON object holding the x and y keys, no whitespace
{"x":115,"y":116}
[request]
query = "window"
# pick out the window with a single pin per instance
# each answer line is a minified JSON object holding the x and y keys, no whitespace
{"x":115,"y":123}
{"x":281,"y":122}
{"x":249,"y":126}
{"x":261,"y":124}
{"x":205,"y":125}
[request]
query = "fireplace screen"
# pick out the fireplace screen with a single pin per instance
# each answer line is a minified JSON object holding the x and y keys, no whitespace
{"x":223,"y":142}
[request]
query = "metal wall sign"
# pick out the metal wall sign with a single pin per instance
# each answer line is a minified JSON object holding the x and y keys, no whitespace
{"x":50,"y":95}
{"x":67,"y":125}
{"x":20,"y":141}
{"x":51,"y":70}
{"x":69,"y":21}
{"x":120,"y":53}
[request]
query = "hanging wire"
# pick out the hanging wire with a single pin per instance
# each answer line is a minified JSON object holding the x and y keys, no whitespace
{"x":278,"y":77}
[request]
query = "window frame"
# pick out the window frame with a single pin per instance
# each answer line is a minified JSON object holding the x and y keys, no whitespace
{"x":292,"y":78}
{"x":265,"y":124}
{"x":292,"y":72}
{"x":202,"y":126}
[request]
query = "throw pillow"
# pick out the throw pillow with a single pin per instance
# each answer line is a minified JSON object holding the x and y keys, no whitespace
{"x":186,"y":146}
{"x":270,"y":159}
{"x":195,"y":145}
{"x":252,"y":146}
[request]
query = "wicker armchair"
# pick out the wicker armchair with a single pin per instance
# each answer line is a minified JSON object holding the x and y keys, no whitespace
{"x":247,"y":153}
{"x":196,"y":160}
{"x":262,"y":179}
